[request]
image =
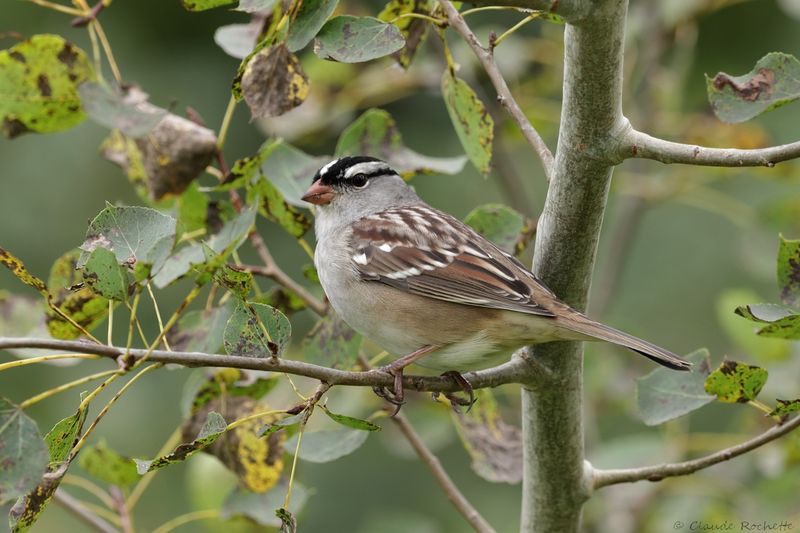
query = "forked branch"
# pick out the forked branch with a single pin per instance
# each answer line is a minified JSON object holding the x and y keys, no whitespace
{"x":504,"y":96}
{"x":603,"y":478}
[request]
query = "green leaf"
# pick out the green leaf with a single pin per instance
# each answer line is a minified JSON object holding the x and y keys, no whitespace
{"x":214,"y":427}
{"x":38,"y":83}
{"x":782,"y":323}
{"x":352,"y":39}
{"x":283,"y":423}
{"x":239,"y":282}
{"x":104,"y":275}
{"x":202,"y":330}
{"x":260,"y":508}
{"x":274,"y":207}
{"x":140,"y":237}
{"x":202,"y":5}
{"x":741,"y":332}
{"x":786,"y":407}
{"x":62,"y":438}
{"x":23,"y":454}
{"x":273,"y":82}
{"x":309,"y":20}
{"x":375,"y":133}
{"x":228,"y":382}
{"x":332,"y":343}
{"x":252,"y":6}
{"x":289,"y":169}
{"x":238,"y":40}
{"x":327,"y":445}
{"x":773,"y":82}
{"x":126,"y":109}
{"x":736,"y":382}
{"x":413,"y":30}
{"x":494,"y":446}
{"x":73,"y":298}
{"x":349,"y":421}
{"x":502,"y":225}
{"x":192,"y":208}
{"x":472,"y":122}
{"x":223,"y":243}
{"x":105,"y":464}
{"x":664,"y":394}
{"x":245,"y":333}
{"x":789,"y":271}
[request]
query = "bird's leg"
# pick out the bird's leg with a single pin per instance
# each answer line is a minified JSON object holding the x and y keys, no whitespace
{"x":395,"y":368}
{"x":465,"y":385}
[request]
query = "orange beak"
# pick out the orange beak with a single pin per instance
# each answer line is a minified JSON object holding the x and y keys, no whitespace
{"x":318,"y":194}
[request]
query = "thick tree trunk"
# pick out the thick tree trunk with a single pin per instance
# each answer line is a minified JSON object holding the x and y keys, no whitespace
{"x":556,"y":483}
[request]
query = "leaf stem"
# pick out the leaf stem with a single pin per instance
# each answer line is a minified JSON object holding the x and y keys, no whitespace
{"x":58,"y":7}
{"x":107,"y":48}
{"x":105,"y":409}
{"x":226,"y":123}
{"x":45,"y":358}
{"x":90,"y":487}
{"x":66,"y":386}
{"x":240,"y":421}
{"x":187,"y":518}
{"x":158,"y":313}
{"x":432,"y":20}
{"x":515,"y":27}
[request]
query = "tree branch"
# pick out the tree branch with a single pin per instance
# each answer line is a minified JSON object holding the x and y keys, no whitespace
{"x":635,"y":144}
{"x":555,"y":481}
{"x":74,"y":506}
{"x":504,"y":96}
{"x":510,"y":372}
{"x":603,"y":478}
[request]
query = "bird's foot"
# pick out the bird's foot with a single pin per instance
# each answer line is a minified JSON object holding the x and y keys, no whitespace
{"x":395,"y":395}
{"x":455,"y":399}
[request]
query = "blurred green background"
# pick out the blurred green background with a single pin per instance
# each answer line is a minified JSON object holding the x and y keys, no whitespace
{"x":681,"y":248}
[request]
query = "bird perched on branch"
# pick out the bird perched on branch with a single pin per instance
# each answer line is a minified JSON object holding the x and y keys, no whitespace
{"x":428,"y":288}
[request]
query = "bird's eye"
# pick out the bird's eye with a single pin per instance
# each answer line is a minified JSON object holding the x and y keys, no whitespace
{"x":359,"y":181}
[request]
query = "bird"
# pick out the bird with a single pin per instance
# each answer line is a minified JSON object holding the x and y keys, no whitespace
{"x":426,"y":287}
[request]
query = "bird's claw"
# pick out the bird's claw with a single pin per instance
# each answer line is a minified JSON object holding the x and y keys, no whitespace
{"x":466,"y":387}
{"x":395,"y":395}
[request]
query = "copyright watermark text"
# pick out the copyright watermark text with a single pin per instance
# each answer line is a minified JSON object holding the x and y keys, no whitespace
{"x":733,"y":525}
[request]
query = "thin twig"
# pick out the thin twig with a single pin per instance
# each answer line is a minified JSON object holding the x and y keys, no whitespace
{"x":57,"y":7}
{"x":504,"y":96}
{"x":603,"y":478}
{"x":126,"y":521}
{"x":510,"y":372}
{"x":187,"y":518}
{"x":77,"y":508}
{"x":432,"y":462}
{"x":450,"y":489}
{"x":272,"y":271}
{"x":641,"y":145}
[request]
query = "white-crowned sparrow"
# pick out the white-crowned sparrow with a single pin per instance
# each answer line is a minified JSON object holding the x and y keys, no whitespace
{"x":425,"y":286}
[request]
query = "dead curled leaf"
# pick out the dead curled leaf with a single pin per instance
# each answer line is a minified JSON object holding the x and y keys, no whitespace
{"x":274,"y":82}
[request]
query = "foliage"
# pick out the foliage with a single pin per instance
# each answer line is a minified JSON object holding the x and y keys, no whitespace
{"x":199,"y":219}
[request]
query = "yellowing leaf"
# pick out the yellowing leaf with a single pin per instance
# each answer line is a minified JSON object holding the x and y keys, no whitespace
{"x":38,"y":85}
{"x":472,"y":122}
{"x":736,"y":382}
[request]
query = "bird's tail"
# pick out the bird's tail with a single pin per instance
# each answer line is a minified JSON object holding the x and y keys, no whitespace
{"x":581,"y":324}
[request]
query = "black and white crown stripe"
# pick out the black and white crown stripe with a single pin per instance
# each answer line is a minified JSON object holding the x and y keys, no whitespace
{"x":345,"y":168}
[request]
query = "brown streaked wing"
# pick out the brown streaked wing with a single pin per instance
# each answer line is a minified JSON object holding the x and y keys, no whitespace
{"x":423,"y":251}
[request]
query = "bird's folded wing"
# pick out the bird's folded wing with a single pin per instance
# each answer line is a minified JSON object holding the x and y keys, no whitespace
{"x":424,"y":251}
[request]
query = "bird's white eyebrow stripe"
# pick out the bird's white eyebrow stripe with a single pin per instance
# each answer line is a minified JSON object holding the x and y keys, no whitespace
{"x":369,"y":168}
{"x":327,"y":167}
